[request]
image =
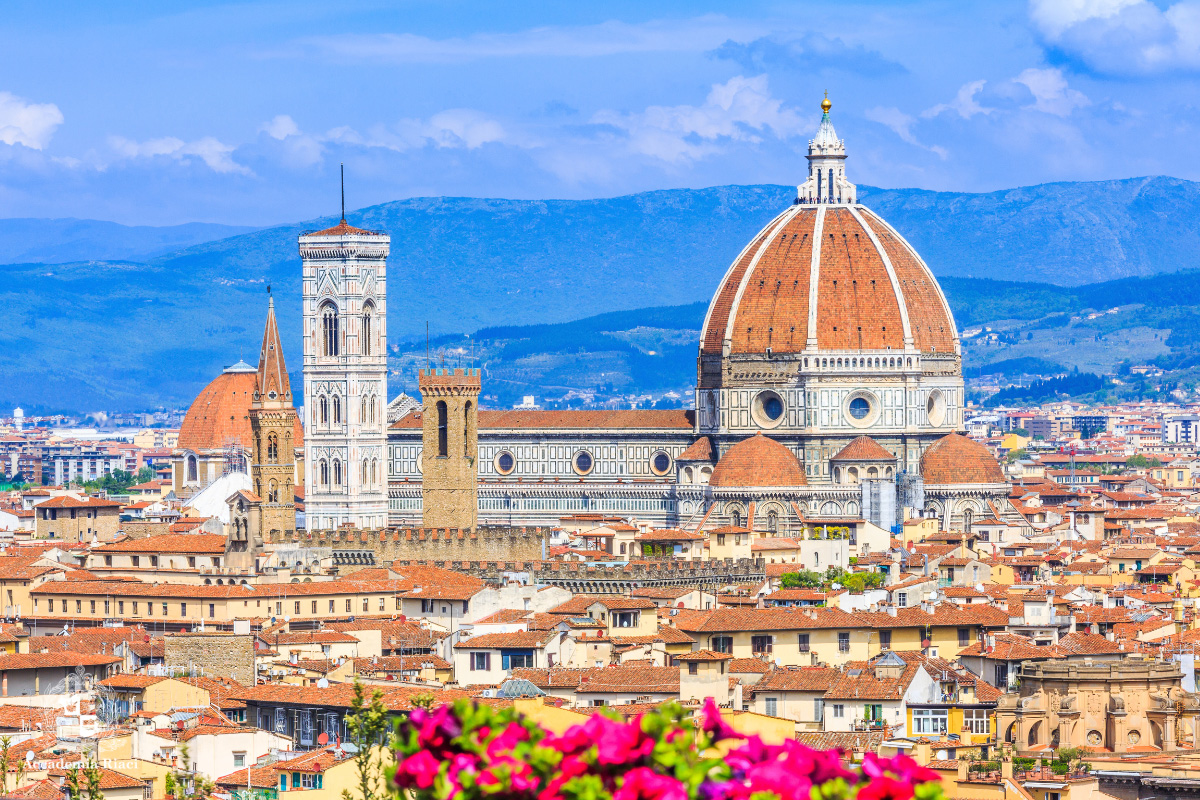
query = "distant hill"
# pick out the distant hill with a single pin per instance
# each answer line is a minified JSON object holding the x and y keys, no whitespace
{"x":59,"y":241}
{"x":129,"y":331}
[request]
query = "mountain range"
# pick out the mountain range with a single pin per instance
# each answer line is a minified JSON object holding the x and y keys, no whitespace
{"x":108,"y":317}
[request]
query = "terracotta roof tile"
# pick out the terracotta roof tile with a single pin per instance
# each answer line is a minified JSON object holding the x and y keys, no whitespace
{"x":863,"y":448}
{"x":955,"y":459}
{"x":758,"y":461}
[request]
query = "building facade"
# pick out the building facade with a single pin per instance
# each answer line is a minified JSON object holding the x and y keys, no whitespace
{"x":829,"y":366}
{"x":345,"y":376}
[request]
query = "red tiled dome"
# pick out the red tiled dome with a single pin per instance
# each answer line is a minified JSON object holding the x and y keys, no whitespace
{"x":861,"y":303}
{"x":955,"y":459}
{"x":220,"y":414}
{"x":864,"y":448}
{"x":758,"y":461}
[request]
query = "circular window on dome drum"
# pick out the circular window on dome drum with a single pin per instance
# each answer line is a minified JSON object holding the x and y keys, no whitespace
{"x":583,"y":462}
{"x":861,"y":409}
{"x":935,"y":408}
{"x":660,"y":463}
{"x":505,"y":463}
{"x":768,"y":409}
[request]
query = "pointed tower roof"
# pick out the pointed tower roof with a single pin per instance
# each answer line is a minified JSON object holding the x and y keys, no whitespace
{"x":272,"y":383}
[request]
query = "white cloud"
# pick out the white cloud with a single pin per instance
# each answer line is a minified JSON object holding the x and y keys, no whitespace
{"x":1050,"y":91}
{"x":740,"y":109}
{"x":963,"y":104}
{"x":583,"y":41}
{"x":30,"y":124}
{"x":280,"y":127}
{"x":453,"y":128}
{"x":901,"y":124}
{"x":1054,"y":17}
{"x":1122,"y":37}
{"x":217,"y":156}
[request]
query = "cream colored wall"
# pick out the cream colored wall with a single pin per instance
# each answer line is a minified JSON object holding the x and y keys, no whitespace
{"x":166,"y":695}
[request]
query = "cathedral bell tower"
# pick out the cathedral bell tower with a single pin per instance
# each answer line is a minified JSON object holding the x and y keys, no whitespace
{"x":345,"y":377}
{"x":450,"y":448}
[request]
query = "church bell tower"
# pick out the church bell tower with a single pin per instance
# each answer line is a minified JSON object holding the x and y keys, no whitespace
{"x":345,"y":377}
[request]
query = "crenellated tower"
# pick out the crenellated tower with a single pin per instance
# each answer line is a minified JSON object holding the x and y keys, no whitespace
{"x":450,"y":448}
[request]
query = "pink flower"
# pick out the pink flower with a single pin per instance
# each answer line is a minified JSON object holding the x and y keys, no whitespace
{"x":646,"y":784}
{"x":713,"y":724}
{"x":900,"y":766}
{"x":885,"y":788}
{"x":622,"y":744}
{"x":513,"y":735}
{"x":418,"y":770}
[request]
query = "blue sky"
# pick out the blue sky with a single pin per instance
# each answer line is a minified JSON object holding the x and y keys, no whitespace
{"x":161,"y":113}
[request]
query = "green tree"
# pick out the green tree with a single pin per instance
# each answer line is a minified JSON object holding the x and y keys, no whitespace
{"x":7,"y":758}
{"x":1014,"y":455}
{"x":85,"y":782}
{"x":1140,"y":460}
{"x":145,"y":475}
{"x":367,"y":723}
{"x":804,"y":579}
{"x":186,"y":783}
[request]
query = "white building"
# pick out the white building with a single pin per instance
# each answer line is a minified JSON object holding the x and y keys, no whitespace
{"x":345,"y":376}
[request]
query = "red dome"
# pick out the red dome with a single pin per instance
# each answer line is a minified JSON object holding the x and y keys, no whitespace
{"x":220,"y":414}
{"x":955,"y":459}
{"x":758,"y":461}
{"x":870,"y":289}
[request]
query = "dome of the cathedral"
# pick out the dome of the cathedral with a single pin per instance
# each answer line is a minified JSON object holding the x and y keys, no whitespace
{"x":836,"y":276}
{"x":955,"y":459}
{"x":758,"y":461}
{"x":220,"y":414}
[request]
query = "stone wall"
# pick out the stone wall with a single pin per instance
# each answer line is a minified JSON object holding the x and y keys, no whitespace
{"x":140,"y":530}
{"x":228,"y":655}
{"x":614,"y":578}
{"x":426,"y":544}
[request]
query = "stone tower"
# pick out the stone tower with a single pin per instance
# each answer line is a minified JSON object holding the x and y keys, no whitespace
{"x":450,"y":448}
{"x":345,"y":377}
{"x":270,"y":508}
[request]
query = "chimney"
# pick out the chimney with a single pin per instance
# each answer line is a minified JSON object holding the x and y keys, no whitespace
{"x":891,"y":610}
{"x":1006,"y":767}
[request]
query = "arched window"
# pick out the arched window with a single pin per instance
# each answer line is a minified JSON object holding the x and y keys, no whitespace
{"x":772,"y":521}
{"x":329,"y":330}
{"x":272,"y":448}
{"x":272,"y":492}
{"x":622,"y":548}
{"x":735,"y":517}
{"x":337,"y":410}
{"x":368,"y":328}
{"x":324,"y":410}
{"x":443,"y":443}
{"x":374,"y":472}
{"x":192,"y":469}
{"x":337,"y":472}
{"x":366,"y":473}
{"x":371,"y":403}
{"x":968,"y":520}
{"x":323,"y":469}
{"x":467,"y":430}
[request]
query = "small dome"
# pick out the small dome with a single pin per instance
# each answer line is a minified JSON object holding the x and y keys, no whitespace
{"x":220,"y":414}
{"x":758,"y":461}
{"x":864,"y":448}
{"x":955,"y":459}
